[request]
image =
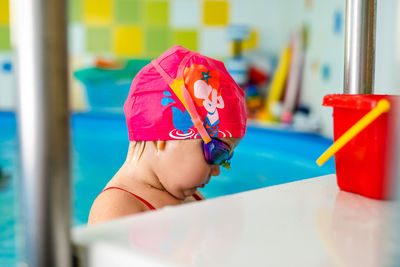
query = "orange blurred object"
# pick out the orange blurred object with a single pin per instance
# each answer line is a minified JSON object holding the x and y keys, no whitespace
{"x":108,"y":64}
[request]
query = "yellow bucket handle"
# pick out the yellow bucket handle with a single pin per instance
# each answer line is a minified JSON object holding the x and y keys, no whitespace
{"x":382,"y":107}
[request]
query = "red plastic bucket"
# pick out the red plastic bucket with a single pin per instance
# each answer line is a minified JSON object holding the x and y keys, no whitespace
{"x":364,"y":164}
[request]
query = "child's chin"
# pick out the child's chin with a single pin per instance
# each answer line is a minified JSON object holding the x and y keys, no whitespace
{"x":190,"y":191}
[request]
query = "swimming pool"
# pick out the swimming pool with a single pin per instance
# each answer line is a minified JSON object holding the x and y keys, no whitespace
{"x":99,"y":144}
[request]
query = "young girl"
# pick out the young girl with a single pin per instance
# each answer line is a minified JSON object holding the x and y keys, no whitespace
{"x":185,"y":116}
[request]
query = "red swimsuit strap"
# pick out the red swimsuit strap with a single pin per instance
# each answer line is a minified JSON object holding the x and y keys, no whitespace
{"x":141,"y":199}
{"x":197,"y":197}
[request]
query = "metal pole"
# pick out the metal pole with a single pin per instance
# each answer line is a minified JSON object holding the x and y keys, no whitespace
{"x":359,"y":47}
{"x":40,"y":38}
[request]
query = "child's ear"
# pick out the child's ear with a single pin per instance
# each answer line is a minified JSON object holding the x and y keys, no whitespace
{"x":160,"y":144}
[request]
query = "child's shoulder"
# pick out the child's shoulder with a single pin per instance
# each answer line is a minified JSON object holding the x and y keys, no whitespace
{"x":114,"y":203}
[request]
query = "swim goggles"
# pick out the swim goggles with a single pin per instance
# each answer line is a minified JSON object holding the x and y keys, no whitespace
{"x":216,"y":152}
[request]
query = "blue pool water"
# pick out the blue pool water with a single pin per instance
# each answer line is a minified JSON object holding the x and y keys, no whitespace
{"x":99,"y":144}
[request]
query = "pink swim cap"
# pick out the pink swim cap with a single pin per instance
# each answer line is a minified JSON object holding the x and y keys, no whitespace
{"x":156,"y":110}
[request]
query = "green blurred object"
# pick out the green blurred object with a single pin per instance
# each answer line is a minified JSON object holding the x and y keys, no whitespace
{"x":157,"y":40}
{"x":128,"y":11}
{"x":98,"y":39}
{"x":185,"y":38}
{"x":108,"y":88}
{"x":5,"y":38}
{"x":156,"y":13}
{"x":75,"y":10}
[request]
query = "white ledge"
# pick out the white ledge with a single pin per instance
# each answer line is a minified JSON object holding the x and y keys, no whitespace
{"x":304,"y":223}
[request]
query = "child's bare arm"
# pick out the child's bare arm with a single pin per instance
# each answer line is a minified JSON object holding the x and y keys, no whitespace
{"x":112,"y":204}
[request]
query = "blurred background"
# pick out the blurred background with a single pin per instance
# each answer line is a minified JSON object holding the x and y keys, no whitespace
{"x":118,"y":30}
{"x":287,"y":55}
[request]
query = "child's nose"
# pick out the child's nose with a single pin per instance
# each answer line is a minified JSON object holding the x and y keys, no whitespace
{"x":215,"y":171}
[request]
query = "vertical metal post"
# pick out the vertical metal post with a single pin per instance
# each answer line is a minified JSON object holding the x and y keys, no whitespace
{"x":39,"y":37}
{"x":359,"y":47}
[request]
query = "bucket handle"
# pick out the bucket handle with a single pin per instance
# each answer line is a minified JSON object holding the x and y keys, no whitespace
{"x":382,"y":107}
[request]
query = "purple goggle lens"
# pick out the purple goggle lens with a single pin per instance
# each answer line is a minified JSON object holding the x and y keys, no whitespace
{"x":217,"y":152}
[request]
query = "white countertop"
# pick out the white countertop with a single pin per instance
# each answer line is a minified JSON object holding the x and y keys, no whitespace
{"x":304,"y":223}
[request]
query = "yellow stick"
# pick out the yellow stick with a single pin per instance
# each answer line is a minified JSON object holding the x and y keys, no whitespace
{"x":382,"y":107}
{"x":277,"y":84}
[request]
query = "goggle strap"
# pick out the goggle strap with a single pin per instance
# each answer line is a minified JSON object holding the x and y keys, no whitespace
{"x":195,"y":116}
{"x":162,"y":72}
{"x":185,"y":60}
{"x":179,"y":73}
{"x":203,"y":133}
{"x":197,"y":122}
